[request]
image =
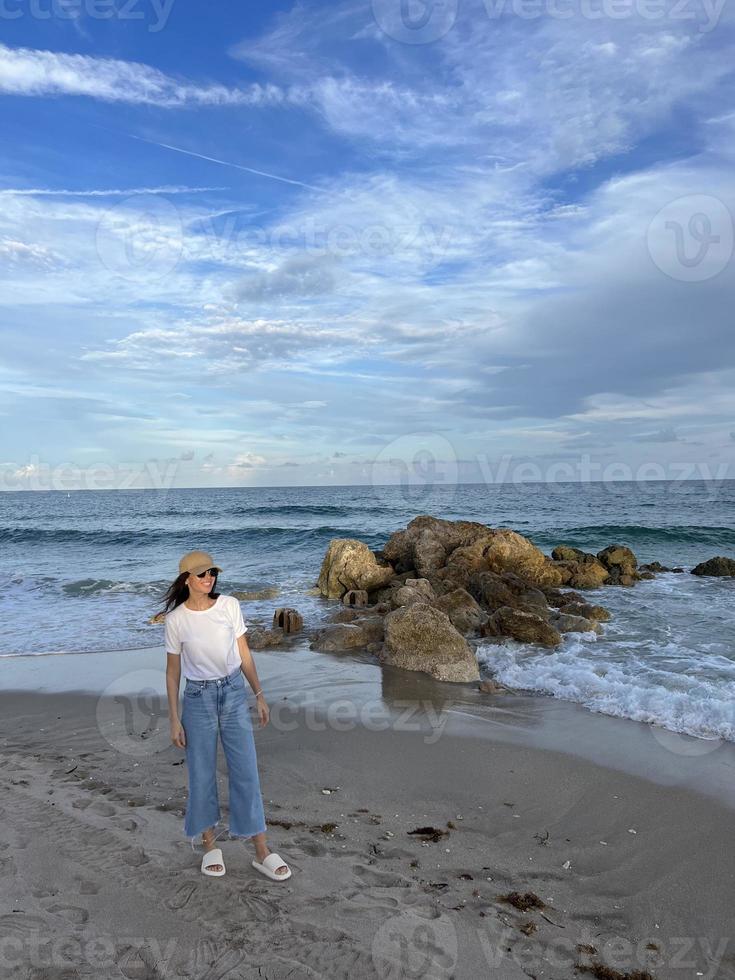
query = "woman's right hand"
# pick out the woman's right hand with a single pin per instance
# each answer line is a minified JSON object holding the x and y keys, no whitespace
{"x":178,"y":735}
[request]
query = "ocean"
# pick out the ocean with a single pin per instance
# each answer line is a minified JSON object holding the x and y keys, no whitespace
{"x":87,"y":570}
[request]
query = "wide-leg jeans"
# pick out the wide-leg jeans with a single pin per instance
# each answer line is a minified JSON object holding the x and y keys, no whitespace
{"x":212,"y":708}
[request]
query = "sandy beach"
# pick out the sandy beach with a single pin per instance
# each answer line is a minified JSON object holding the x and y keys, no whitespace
{"x":99,"y":880}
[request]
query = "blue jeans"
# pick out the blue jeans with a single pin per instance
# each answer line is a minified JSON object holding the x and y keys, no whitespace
{"x":210,"y":708}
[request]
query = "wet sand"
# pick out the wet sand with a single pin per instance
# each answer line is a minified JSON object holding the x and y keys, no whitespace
{"x":624,"y":836}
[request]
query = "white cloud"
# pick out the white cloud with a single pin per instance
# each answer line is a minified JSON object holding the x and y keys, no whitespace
{"x":15,"y":253}
{"x":25,"y":71}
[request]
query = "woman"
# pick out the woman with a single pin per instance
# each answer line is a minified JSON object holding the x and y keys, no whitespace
{"x":205,"y":631}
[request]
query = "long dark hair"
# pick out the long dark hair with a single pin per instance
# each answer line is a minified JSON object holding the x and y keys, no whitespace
{"x":178,"y":592}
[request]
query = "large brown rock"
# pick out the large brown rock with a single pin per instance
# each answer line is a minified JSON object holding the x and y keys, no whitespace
{"x":431,"y":543}
{"x":494,"y":591}
{"x":620,"y":556}
{"x":419,"y":637}
{"x":262,"y":639}
{"x":523,"y":626}
{"x":508,"y":551}
{"x":586,"y":610}
{"x":414,"y":590}
{"x":564,"y":553}
{"x":491,"y":590}
{"x":350,"y":564}
{"x":715,"y":566}
{"x":464,"y":613}
{"x":373,"y":628}
{"x":428,"y":553}
{"x":555,"y":597}
{"x":340,"y":636}
{"x":427,"y":541}
{"x":566,"y":623}
{"x":621,"y":563}
{"x":585,"y":574}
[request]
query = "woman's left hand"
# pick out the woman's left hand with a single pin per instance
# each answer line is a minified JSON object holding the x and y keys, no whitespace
{"x":263,"y":710}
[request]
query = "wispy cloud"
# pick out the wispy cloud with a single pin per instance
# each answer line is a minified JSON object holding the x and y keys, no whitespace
{"x":30,"y":72}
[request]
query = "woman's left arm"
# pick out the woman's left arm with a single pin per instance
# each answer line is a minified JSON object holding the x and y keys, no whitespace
{"x":248,"y":668}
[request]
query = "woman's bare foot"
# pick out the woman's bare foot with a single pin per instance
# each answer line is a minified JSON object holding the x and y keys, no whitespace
{"x":209,"y":844}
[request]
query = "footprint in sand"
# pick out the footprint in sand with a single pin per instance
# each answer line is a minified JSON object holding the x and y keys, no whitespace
{"x":260,"y":909}
{"x":104,"y":809}
{"x":72,"y":913}
{"x":135,"y":856}
{"x":311,"y":847}
{"x":8,"y":866}
{"x":365,"y":900}
{"x":81,"y":804}
{"x":181,"y":896}
{"x":44,"y":892}
{"x":207,"y":961}
{"x":135,"y":963}
{"x":126,"y":824}
{"x":379,"y":879}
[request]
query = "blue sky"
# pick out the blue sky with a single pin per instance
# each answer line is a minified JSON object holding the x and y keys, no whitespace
{"x":338,"y":243}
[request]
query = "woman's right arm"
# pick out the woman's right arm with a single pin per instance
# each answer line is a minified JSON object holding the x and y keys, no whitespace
{"x":173,"y":680}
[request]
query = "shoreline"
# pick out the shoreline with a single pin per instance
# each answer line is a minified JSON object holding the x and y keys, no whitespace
{"x":352,"y":688}
{"x":648,"y":864}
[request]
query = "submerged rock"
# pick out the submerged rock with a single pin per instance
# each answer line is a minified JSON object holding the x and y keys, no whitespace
{"x":715,"y":566}
{"x":339,"y":636}
{"x":261,"y":639}
{"x":267,"y":592}
{"x":587,"y":611}
{"x":567,"y":623}
{"x":523,"y":626}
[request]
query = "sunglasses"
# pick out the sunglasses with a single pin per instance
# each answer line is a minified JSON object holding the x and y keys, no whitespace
{"x":208,"y":571}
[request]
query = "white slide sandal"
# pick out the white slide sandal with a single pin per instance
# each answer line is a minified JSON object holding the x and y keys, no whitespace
{"x":211,"y":858}
{"x":268,"y":867}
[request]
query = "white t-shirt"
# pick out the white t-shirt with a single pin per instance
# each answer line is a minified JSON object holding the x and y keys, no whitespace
{"x":206,"y":639}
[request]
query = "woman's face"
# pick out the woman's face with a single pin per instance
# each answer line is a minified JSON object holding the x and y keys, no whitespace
{"x":201,"y":586}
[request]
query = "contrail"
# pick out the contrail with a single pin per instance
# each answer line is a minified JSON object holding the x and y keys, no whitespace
{"x":225,"y":163}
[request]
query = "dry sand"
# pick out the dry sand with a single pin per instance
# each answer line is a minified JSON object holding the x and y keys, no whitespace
{"x":98,"y":879}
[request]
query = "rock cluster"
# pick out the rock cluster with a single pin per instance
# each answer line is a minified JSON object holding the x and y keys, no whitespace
{"x":439,"y":587}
